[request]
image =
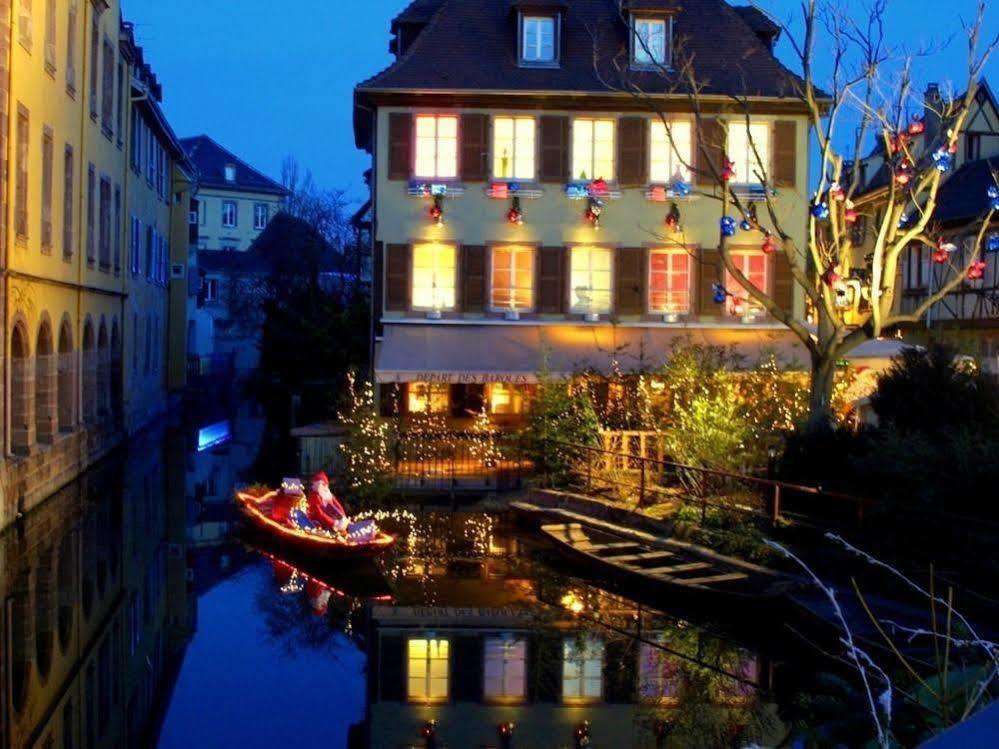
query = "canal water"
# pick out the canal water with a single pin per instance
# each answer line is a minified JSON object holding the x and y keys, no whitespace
{"x":135,"y":616}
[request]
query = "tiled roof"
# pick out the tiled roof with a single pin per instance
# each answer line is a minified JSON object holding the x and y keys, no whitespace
{"x":963,"y":197}
{"x":471,"y":45}
{"x":210,"y":159}
{"x":418,"y":11}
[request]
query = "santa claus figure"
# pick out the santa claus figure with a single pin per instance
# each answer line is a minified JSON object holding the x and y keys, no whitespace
{"x":286,"y":500}
{"x":324,"y":509}
{"x":319,"y":597}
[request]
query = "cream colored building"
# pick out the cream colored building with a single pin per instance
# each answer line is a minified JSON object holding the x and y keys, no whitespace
{"x":77,"y":98}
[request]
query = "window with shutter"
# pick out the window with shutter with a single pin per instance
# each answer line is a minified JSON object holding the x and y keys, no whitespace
{"x":669,"y":281}
{"x":554,"y":165}
{"x":512,"y":286}
{"x":711,"y":146}
{"x":400,"y":164}
{"x":474,"y":147}
{"x":551,"y":269}
{"x":709,"y":272}
{"x":632,"y":151}
{"x":436,"y":146}
{"x":397,"y":277}
{"x":473,"y":278}
{"x":628,"y":281}
{"x":785,"y":165}
{"x":513,"y":147}
{"x":754,"y":266}
{"x":433,"y":276}
{"x":749,"y":149}
{"x":592,"y":149}
{"x":670,"y":151}
{"x":590,"y":280}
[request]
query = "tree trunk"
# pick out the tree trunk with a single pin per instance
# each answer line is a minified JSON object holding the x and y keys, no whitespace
{"x":820,"y":396}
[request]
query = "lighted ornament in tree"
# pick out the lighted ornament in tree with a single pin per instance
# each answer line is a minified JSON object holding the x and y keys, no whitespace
{"x":993,"y":196}
{"x":850,"y":214}
{"x":992,"y":243}
{"x":728,"y":169}
{"x":903,"y":172}
{"x":943,"y":159}
{"x":769,"y":244}
{"x":727,"y":224}
{"x":917,"y":126}
{"x":836,"y":192}
{"x":830,"y":277}
{"x":821,"y":211}
{"x":976,"y":271}
{"x":515,"y":215}
{"x":940,"y":256}
{"x":673,"y":218}
{"x":718,"y":293}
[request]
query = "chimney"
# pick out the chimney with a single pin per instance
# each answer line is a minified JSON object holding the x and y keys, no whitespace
{"x":932,"y":107}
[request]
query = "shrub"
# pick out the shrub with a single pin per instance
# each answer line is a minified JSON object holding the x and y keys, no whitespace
{"x":559,"y":414}
{"x":367,"y":452}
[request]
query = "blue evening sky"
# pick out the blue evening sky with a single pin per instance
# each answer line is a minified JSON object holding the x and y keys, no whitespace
{"x":267,"y":80}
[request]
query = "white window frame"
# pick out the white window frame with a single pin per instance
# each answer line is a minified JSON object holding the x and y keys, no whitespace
{"x":436,"y":138}
{"x":516,"y":159}
{"x":514,"y":250}
{"x":746,"y":164}
{"x":667,"y":156}
{"x":578,"y":652}
{"x":640,"y":57}
{"x":590,"y":123}
{"x":589,"y":308}
{"x":509,"y":651}
{"x":428,"y":694}
{"x":212,"y":289}
{"x":452,"y":291}
{"x":257,"y":212}
{"x":235,"y":214}
{"x":436,"y":397}
{"x":538,"y":18}
{"x":750,"y":307}
{"x":671,"y":252}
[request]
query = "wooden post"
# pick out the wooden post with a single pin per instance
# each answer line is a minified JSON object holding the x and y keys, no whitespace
{"x":776,"y":505}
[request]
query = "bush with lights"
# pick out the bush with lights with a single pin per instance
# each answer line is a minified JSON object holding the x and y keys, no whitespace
{"x":367,"y":452}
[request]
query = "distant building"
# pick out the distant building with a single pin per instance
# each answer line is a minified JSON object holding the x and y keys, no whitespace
{"x":235,"y":204}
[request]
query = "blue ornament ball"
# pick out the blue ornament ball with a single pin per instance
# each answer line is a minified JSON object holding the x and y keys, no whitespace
{"x":821,"y":211}
{"x":728,"y":226}
{"x":719,"y":295}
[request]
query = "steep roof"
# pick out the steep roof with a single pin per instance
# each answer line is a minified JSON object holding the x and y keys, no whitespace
{"x":964,"y":196}
{"x":471,"y":45}
{"x":210,"y":159}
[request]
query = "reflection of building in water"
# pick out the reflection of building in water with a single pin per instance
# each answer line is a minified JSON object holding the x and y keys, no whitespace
{"x":88,"y":631}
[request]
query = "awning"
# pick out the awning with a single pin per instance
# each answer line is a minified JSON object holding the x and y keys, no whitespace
{"x":515,"y":353}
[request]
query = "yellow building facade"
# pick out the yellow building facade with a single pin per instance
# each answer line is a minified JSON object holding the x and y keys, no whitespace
{"x":77,"y":312}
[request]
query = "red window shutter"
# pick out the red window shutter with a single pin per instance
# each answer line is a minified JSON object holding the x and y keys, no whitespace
{"x":400,"y":146}
{"x":710,"y":149}
{"x":397,"y":261}
{"x":710,"y":271}
{"x":632,"y":151}
{"x":551,"y":280}
{"x":554,"y":165}
{"x":629,"y":271}
{"x":473,"y":278}
{"x":474,"y":147}
{"x":785,"y":166}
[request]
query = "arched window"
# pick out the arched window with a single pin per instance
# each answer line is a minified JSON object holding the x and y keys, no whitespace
{"x":66,"y":385}
{"x":22,"y":387}
{"x":46,"y":418}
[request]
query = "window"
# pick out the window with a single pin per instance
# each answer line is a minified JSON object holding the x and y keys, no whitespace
{"x":136,"y":145}
{"x":505,"y":399}
{"x":582,"y":669}
{"x":669,"y":281}
{"x":120,"y":112}
{"x":48,"y":155}
{"x":590,"y":280}
{"x":513,"y":278}
{"x":24,"y":23}
{"x":68,"y":196}
{"x":229,"y":213}
{"x":513,"y":147}
{"x":659,"y":674}
{"x":741,"y":143}
{"x":753,"y":265}
{"x":71,"y":48}
{"x":50,"y":36}
{"x":21,"y":183}
{"x":505,"y":668}
{"x":670,"y":151}
{"x":91,"y":187}
{"x":230,"y":172}
{"x":436,"y":146}
{"x":428,"y":670}
{"x":593,"y":149}
{"x":117,"y":229}
{"x":94,"y":48}
{"x":150,"y":154}
{"x":104,"y":224}
{"x":428,"y":397}
{"x":914,"y":264}
{"x":202,"y":212}
{"x":150,"y":240}
{"x":261,"y":215}
{"x":134,"y":240}
{"x":434,"y":276}
{"x":648,"y":41}
{"x":211,"y":289}
{"x":538,"y":39}
{"x":973,"y":146}
{"x":107,"y":87}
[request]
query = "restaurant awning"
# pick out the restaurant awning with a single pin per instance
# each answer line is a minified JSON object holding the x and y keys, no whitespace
{"x":470,"y":353}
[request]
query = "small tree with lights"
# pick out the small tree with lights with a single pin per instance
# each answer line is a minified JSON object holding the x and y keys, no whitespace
{"x":368,"y":474}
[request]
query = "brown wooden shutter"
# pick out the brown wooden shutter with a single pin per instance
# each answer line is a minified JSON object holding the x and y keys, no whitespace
{"x":628,"y":273}
{"x":474,"y":147}
{"x":400,"y":163}
{"x":710,"y":270}
{"x":783,"y":283}
{"x":632,"y":151}
{"x":551,"y":280}
{"x":473,"y":278}
{"x":554,"y":165}
{"x":397,"y":260}
{"x":466,"y":668}
{"x":711,"y":148}
{"x":785,"y":166}
{"x":392,"y":668}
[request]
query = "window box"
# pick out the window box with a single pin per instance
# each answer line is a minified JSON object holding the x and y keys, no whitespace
{"x":419,"y":188}
{"x":503,"y":190}
{"x":585,"y":189}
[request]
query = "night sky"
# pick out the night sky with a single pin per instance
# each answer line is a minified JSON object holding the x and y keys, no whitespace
{"x":271,"y":79}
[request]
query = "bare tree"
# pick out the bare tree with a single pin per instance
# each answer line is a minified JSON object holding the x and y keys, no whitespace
{"x":870,"y":82}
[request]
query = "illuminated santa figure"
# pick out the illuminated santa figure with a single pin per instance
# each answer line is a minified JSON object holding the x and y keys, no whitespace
{"x":324,"y":509}
{"x":319,"y":597}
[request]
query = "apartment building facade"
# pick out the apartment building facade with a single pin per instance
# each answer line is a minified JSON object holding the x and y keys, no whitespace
{"x":87,"y":202}
{"x":527,"y":214}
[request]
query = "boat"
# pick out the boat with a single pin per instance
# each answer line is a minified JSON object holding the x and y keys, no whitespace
{"x":666,"y":567}
{"x":307,"y":543}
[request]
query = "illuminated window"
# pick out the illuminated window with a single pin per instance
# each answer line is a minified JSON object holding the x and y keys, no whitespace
{"x":538,"y":41}
{"x":428,"y":670}
{"x":513,"y":278}
{"x":649,"y":41}
{"x":742,"y":141}
{"x":505,"y":668}
{"x":428,"y":397}
{"x":593,"y":149}
{"x":590,"y":280}
{"x":582,"y":669}
{"x":669,"y":281}
{"x":436,"y":146}
{"x":659,"y":675}
{"x":669,"y":151}
{"x":505,"y":399}
{"x":513,"y":147}
{"x":434,"y":276}
{"x":753,"y":265}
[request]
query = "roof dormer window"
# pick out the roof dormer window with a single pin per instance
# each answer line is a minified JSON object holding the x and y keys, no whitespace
{"x":230,"y":172}
{"x":650,"y":41}
{"x":539,"y":39}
